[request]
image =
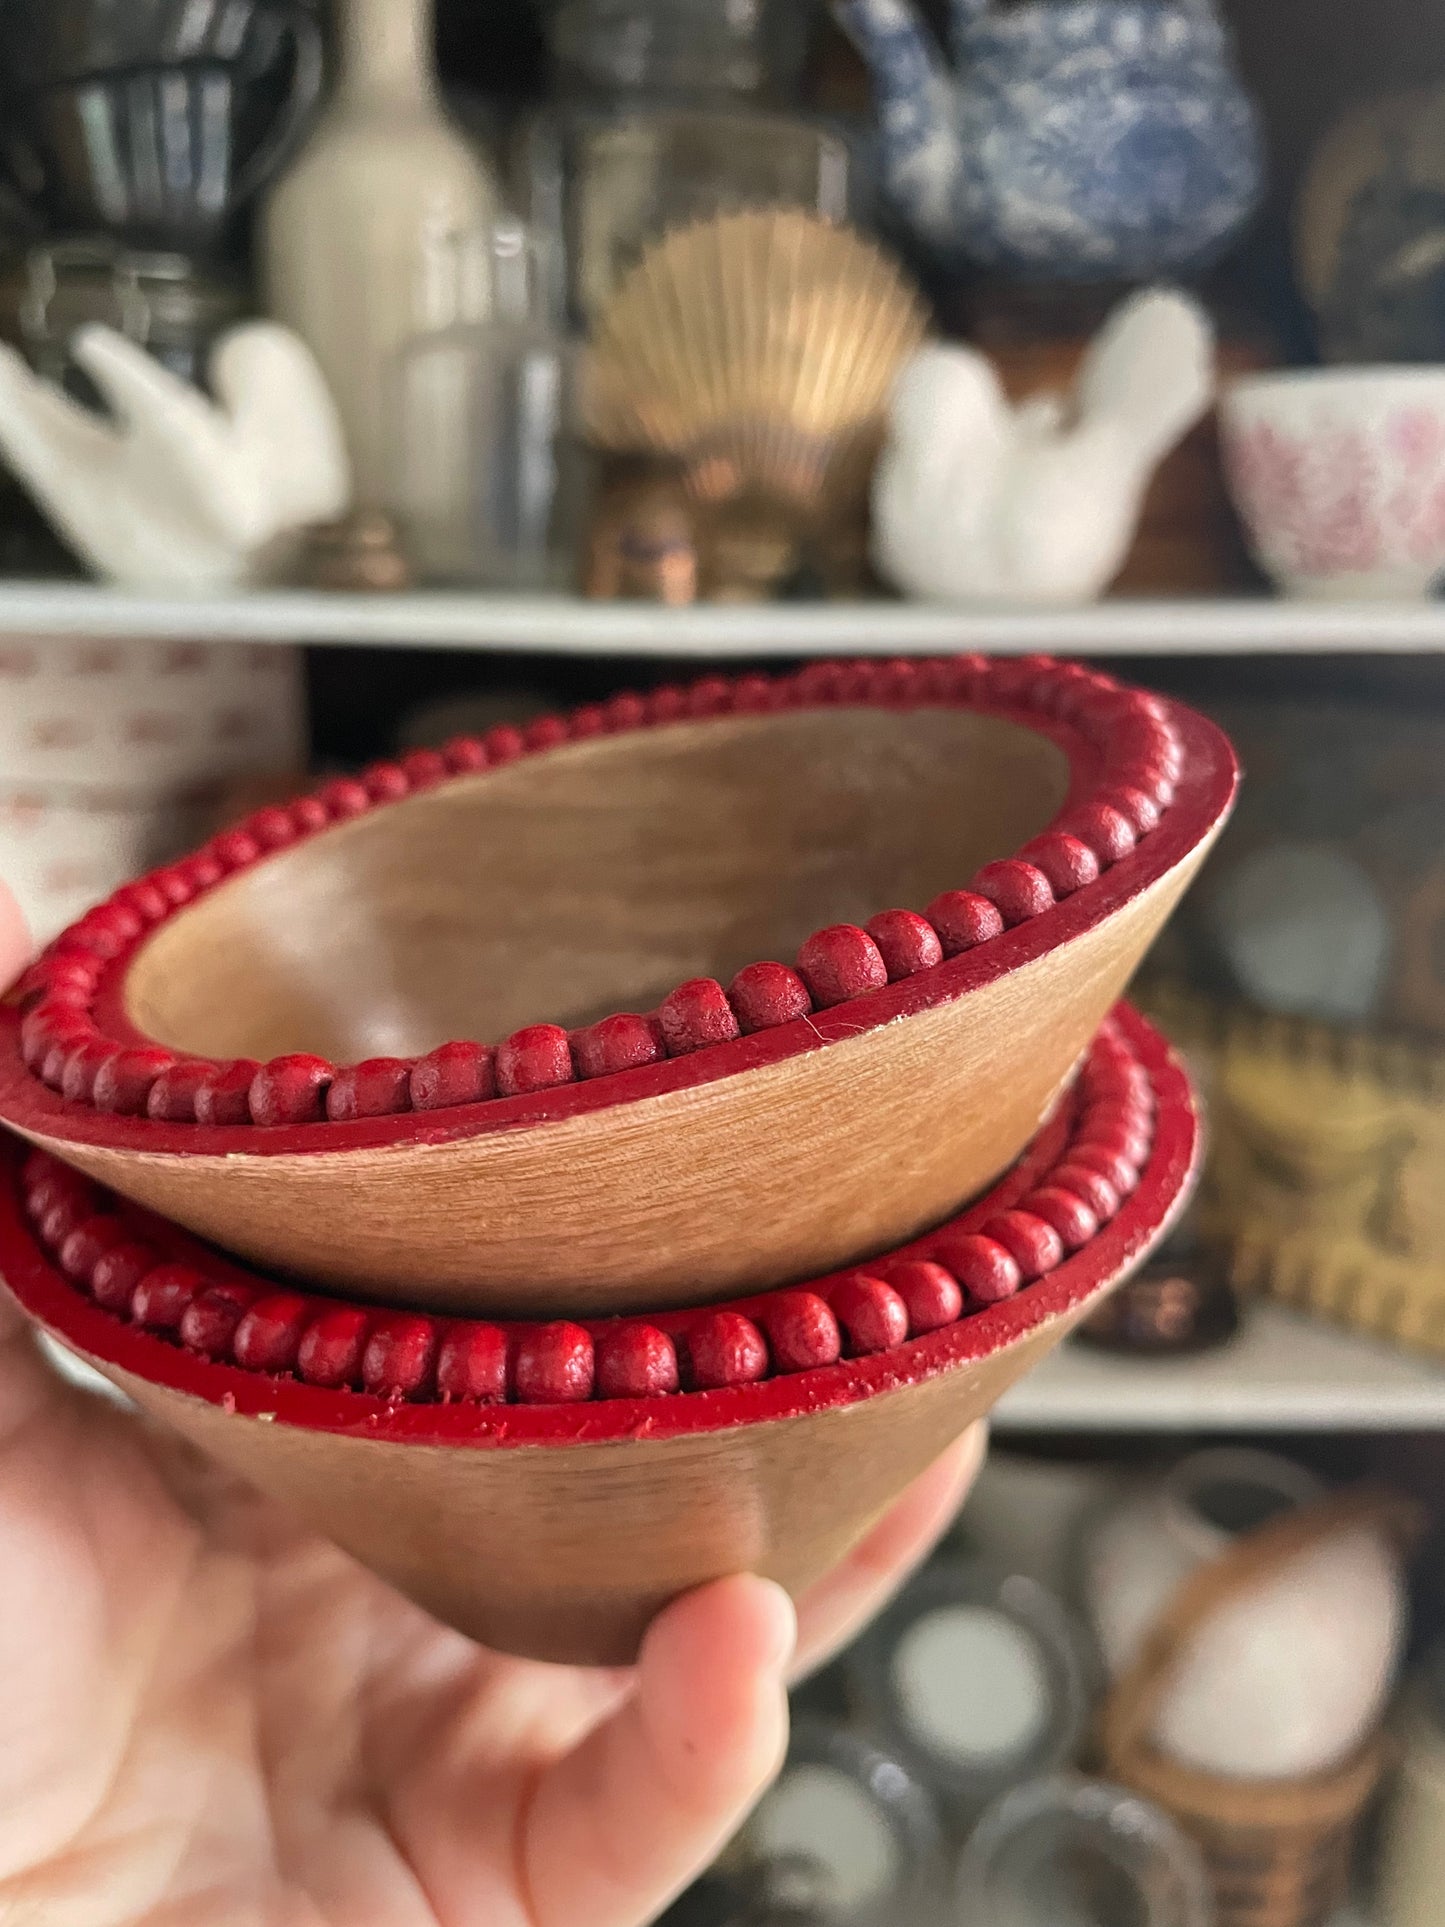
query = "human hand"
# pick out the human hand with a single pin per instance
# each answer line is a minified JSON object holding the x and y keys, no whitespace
{"x":210,"y":1718}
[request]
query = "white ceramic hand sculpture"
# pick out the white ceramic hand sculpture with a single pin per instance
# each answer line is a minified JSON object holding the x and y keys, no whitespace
{"x":174,"y":490}
{"x":978,"y":501}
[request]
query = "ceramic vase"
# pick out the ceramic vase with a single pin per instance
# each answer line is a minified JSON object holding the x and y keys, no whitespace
{"x":1078,"y":140}
{"x":1284,"y":1683}
{"x":380,"y":231}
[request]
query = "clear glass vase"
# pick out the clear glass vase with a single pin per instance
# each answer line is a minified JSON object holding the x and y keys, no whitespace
{"x":488,"y":475}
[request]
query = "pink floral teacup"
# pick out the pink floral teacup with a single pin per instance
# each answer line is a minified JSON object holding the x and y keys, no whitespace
{"x":1339,"y":474}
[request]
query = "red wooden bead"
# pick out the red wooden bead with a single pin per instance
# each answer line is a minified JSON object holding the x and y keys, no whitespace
{"x":931,"y":1295}
{"x":116,"y":918}
{"x":622,"y":1043}
{"x":117,"y":1272}
{"x":724,"y":1348}
{"x":76,"y":997}
{"x":225,"y":1096}
{"x":53,"y":1187}
{"x":269,"y":1335}
{"x":78,"y":1071}
{"x":1137,"y":808}
{"x":1148,"y":779}
{"x":1015,"y":680}
{"x":455,"y":1074}
{"x":272,"y":828}
{"x":709,"y":696}
{"x":1092,"y":1190}
{"x":81,"y":1250}
{"x":235,"y":849}
{"x":987,"y":1271}
{"x":1034,"y":1245}
{"x":465,"y":755}
{"x":802,"y":1331}
{"x":504,"y":744}
{"x":344,"y":798}
{"x":1066,"y":1212}
{"x":386,"y":783}
{"x":123,"y":1082}
{"x":52,"y":1069}
{"x":70,"y":1210}
{"x":70,"y":971}
{"x":201,"y":871}
{"x":906,"y":942}
{"x":48,"y":1027}
{"x":1121,"y":1172}
{"x":1108,"y":834}
{"x":588,"y":721}
{"x":290,"y":1090}
{"x":696,"y":1015}
{"x":764,"y":995}
{"x":636,"y":1361}
{"x":1132,"y":1145}
{"x":963,"y":920}
{"x":378,"y":1088}
{"x":667,"y":705}
{"x":1019,"y":890}
{"x":472,"y":1364}
{"x":839,"y":963}
{"x":871,"y":1313}
{"x":1121,"y":1116}
{"x":160,"y":1299}
{"x":548,"y":732}
{"x":209,"y":1322}
{"x":148,"y":902}
{"x":309,"y":815}
{"x":554,"y":1365}
{"x":38,"y":1167}
{"x":755,"y":695}
{"x":623,"y":712}
{"x":1065,"y":861}
{"x":172,"y":1098}
{"x":400,"y":1356}
{"x":331,"y":1348}
{"x":424,"y":769}
{"x":538,"y":1058}
{"x":176,"y":884}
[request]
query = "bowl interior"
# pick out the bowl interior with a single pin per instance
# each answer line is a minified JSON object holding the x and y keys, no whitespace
{"x":593,"y":879}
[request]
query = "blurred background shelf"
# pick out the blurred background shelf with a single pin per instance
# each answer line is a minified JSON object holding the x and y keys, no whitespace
{"x":567,"y":625}
{"x":1283,"y":1373}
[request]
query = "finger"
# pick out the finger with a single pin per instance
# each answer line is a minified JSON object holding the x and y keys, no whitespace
{"x":639,"y":1809}
{"x":837,"y":1607}
{"x":14,"y":938}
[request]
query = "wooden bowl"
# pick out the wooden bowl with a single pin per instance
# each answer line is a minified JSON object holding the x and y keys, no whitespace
{"x":194,"y":1043}
{"x":546,"y":1488}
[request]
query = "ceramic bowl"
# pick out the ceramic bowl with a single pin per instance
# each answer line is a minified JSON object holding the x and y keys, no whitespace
{"x":546,"y":1488}
{"x":255,"y":1042}
{"x":1339,"y":474}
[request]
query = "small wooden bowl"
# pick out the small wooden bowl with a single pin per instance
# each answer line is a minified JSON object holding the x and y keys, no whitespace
{"x":194,"y":1043}
{"x":546,"y":1488}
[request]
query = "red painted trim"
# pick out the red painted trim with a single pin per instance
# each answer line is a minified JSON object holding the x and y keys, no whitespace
{"x":1199,"y":788}
{"x":1141,"y":1220}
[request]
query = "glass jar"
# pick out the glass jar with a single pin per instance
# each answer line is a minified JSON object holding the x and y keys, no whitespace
{"x":1068,"y":1852}
{"x":167,"y":303}
{"x":598,"y":184}
{"x":744,"y":48}
{"x":487,"y":474}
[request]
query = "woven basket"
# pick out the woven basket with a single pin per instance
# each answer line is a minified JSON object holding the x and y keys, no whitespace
{"x":1278,"y":1851}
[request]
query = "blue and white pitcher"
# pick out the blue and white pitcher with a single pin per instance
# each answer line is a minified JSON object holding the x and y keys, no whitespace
{"x":1079,"y":140}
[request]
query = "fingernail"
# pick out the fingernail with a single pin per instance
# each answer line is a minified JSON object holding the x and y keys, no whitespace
{"x":782,"y":1626}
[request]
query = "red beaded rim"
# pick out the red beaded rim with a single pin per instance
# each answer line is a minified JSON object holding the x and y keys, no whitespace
{"x":71,"y":1065}
{"x":1095,"y":1189}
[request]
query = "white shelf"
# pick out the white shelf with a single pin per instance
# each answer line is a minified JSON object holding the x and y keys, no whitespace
{"x":1283,"y":1373}
{"x":564,"y":625}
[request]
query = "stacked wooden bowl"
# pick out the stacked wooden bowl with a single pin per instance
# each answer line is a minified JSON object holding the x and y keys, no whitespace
{"x":551,"y":1328}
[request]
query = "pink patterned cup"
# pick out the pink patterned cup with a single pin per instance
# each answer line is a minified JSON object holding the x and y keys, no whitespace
{"x":1339,"y":474}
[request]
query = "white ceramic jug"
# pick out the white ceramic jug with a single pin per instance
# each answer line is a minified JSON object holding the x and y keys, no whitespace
{"x":1285,"y":1681}
{"x":380,"y":230}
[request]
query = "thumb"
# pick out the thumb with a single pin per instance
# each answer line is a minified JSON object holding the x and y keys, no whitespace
{"x":624,"y":1823}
